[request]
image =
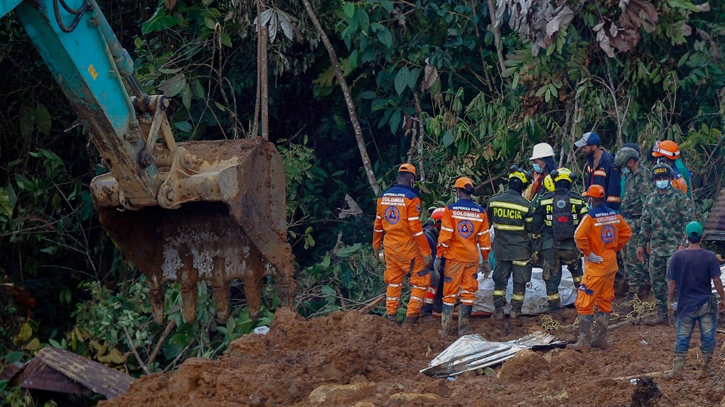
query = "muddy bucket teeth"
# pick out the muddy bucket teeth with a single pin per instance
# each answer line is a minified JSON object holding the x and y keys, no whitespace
{"x":221,"y":217}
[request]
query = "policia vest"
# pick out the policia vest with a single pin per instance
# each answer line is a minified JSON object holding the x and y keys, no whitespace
{"x":512,"y":218}
{"x":546,"y":213}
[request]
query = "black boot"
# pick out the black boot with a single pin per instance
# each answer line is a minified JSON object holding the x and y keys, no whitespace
{"x":446,"y":319}
{"x":426,"y":310}
{"x":410,"y":320}
{"x":516,"y":311}
{"x":498,"y":302}
{"x":464,"y":314}
{"x":554,"y":305}
{"x":392,"y":318}
{"x":601,"y":328}
{"x":660,"y":319}
{"x":630,"y":295}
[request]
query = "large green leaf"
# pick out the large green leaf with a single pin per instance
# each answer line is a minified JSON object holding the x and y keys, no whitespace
{"x":160,"y":21}
{"x":401,"y":80}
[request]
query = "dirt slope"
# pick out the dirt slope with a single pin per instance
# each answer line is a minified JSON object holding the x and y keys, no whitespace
{"x":348,"y":359}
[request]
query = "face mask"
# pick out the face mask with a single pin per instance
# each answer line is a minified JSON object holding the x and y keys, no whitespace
{"x":537,"y":168}
{"x":589,"y":204}
{"x":625,"y":171}
{"x":662,"y":183}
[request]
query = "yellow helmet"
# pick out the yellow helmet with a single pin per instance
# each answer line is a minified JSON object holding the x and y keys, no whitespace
{"x":563,"y":174}
{"x":549,"y":183}
{"x":520,"y":174}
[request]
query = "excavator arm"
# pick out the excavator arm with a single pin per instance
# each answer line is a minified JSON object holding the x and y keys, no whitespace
{"x":182,"y":212}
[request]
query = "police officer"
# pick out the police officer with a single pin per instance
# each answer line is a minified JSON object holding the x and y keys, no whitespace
{"x":512,"y":218}
{"x":664,"y":218}
{"x":637,"y":185}
{"x":556,"y":218}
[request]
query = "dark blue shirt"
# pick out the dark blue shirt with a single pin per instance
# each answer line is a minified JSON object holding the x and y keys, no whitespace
{"x":692,"y":270}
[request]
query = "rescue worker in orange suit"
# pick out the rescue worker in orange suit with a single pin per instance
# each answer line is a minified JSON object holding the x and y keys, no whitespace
{"x":464,"y":234}
{"x":433,"y":298}
{"x":399,"y":230}
{"x":600,"y":169}
{"x":668,"y":152}
{"x":512,"y":218}
{"x":600,"y":235}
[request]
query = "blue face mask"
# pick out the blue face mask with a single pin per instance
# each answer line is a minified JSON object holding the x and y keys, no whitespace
{"x":537,"y":168}
{"x":589,"y":205}
{"x":662,"y":183}
{"x":624,"y":170}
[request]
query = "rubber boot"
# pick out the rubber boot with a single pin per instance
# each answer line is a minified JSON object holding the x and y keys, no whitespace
{"x":498,"y":302}
{"x":585,"y":333}
{"x":410,"y":320}
{"x":660,"y":319}
{"x":516,"y":312}
{"x":706,"y":362}
{"x":630,"y":295}
{"x":392,"y":318}
{"x":446,"y":319}
{"x":678,"y":364}
{"x":464,"y":315}
{"x":601,"y":328}
{"x":554,"y":305}
{"x":426,"y":310}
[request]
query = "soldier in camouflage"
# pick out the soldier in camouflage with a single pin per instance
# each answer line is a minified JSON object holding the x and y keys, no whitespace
{"x":637,"y":186}
{"x":666,"y":213}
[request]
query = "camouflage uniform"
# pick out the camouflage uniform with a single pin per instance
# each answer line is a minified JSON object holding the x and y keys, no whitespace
{"x":638,"y":185}
{"x":664,"y":218}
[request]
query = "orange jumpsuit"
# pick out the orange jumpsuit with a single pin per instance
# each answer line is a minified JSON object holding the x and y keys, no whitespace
{"x":604,"y":232}
{"x":398,"y":229}
{"x":464,"y":226}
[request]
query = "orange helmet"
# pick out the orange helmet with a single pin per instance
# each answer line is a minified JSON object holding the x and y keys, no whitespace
{"x":666,"y":148}
{"x":407,"y":167}
{"x":462,"y":182}
{"x":437,"y":214}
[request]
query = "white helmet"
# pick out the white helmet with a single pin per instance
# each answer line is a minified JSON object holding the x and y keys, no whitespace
{"x":542,"y":150}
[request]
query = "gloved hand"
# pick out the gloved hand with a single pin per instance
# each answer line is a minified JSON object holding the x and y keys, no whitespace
{"x":437,"y":265}
{"x":427,"y":260}
{"x":379,"y":255}
{"x":485,"y":268}
{"x":535,"y":258}
{"x":594,"y":258}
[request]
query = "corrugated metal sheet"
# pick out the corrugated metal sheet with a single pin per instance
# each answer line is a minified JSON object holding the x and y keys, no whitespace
{"x":62,"y":371}
{"x":471,"y":352}
{"x":715,"y":225}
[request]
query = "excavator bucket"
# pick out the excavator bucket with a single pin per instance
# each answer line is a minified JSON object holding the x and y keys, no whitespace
{"x":222,"y":216}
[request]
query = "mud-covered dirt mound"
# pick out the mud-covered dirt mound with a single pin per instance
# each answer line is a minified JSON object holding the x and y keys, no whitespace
{"x":348,"y":359}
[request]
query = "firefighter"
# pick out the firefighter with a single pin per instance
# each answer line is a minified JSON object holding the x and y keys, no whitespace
{"x":433,"y":298}
{"x":555,"y":220}
{"x":512,"y":218}
{"x":600,"y":169}
{"x":600,"y":235}
{"x":398,"y":228}
{"x":464,"y":227}
{"x":637,"y":185}
{"x":668,"y":152}
{"x":664,"y":218}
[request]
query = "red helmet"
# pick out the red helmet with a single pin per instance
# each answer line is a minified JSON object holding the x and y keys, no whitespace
{"x":666,"y":148}
{"x":437,"y":214}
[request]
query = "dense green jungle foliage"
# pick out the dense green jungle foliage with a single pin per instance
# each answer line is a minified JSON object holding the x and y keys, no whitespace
{"x":431,"y":84}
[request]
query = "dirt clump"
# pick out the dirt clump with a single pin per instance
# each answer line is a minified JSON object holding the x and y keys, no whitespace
{"x":349,"y":359}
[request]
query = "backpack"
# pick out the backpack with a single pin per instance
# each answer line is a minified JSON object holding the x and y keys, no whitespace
{"x":562,"y":221}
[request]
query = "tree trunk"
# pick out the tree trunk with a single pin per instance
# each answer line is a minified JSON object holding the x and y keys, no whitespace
{"x":264,"y":84}
{"x":257,"y":103}
{"x":497,"y":37}
{"x":348,"y":98}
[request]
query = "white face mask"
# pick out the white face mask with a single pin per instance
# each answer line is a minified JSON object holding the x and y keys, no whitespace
{"x":662,"y":183}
